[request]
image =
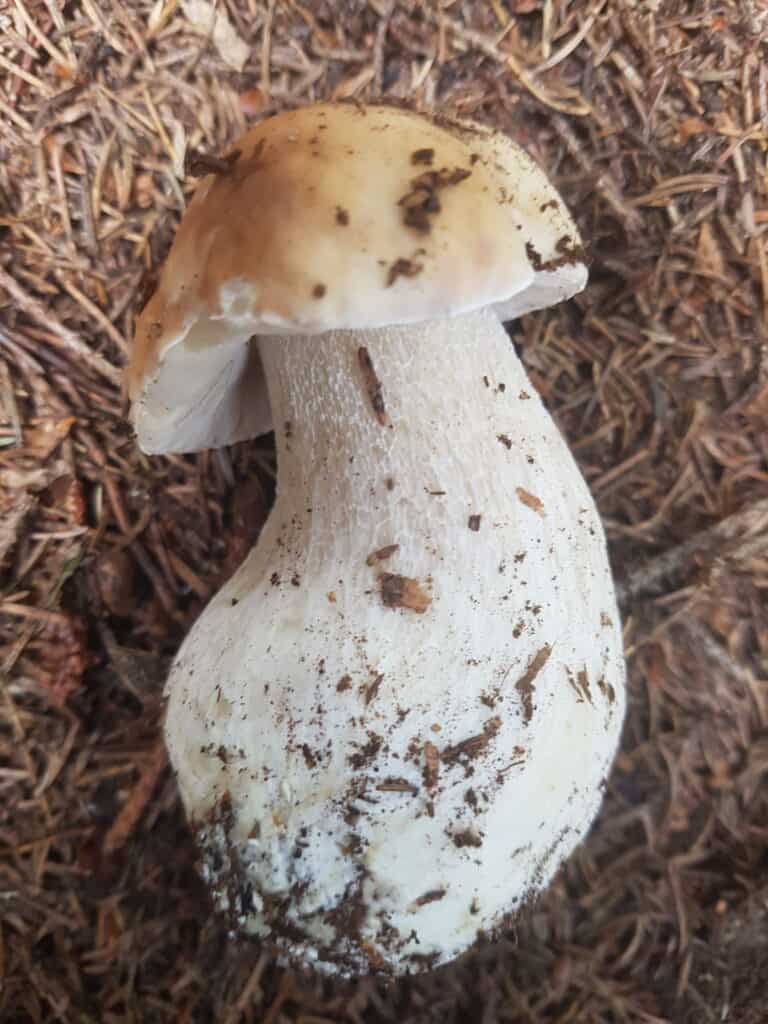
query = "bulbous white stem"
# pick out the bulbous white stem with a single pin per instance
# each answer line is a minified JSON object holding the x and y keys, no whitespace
{"x":395,"y":721}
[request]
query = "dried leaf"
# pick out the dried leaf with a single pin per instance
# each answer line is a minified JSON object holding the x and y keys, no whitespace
{"x":204,"y":17}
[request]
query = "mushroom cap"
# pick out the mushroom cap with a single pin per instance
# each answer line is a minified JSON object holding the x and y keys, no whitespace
{"x":337,"y":216}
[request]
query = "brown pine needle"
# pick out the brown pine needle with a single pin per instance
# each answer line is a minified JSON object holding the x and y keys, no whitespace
{"x":132,"y":809}
{"x":68,"y":340}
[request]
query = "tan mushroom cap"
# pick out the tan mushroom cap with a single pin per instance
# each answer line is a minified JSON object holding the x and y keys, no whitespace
{"x":331,"y":217}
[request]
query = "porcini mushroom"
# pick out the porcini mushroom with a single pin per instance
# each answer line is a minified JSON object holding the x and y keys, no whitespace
{"x":395,"y":721}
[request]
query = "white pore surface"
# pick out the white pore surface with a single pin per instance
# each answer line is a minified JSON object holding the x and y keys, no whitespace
{"x":374,"y":785}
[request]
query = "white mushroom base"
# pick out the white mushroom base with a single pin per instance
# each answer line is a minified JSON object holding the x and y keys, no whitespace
{"x":395,"y":722}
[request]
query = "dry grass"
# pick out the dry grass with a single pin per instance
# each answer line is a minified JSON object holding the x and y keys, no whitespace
{"x":653,"y":120}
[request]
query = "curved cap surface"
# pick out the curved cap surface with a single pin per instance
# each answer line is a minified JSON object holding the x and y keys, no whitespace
{"x":337,"y":216}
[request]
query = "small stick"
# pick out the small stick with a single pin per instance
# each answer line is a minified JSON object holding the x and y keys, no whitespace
{"x":671,"y":567}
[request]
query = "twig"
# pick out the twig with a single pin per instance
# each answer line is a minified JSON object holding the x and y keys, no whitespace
{"x":671,"y":567}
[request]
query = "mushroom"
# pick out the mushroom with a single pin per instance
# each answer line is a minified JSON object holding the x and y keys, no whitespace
{"x":394,"y":722}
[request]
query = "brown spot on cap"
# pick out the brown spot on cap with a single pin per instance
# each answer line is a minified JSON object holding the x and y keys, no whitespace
{"x":403,"y":268}
{"x":571,"y":253}
{"x":342,"y":216}
{"x":422,"y":156}
{"x":318,"y":291}
{"x":422,"y":199}
{"x":474,"y":523}
{"x":534,"y":256}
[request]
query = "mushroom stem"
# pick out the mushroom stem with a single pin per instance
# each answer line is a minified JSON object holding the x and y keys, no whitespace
{"x":384,"y":433}
{"x":414,"y":683}
{"x":371,"y":422}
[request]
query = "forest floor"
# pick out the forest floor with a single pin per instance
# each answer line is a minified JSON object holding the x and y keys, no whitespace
{"x":652,"y":119}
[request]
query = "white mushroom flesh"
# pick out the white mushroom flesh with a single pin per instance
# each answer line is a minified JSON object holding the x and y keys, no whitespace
{"x":395,"y":721}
